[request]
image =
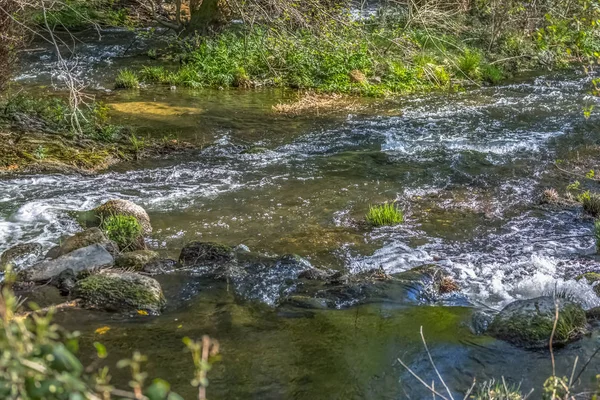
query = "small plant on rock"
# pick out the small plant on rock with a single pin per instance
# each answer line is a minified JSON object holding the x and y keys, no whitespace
{"x":384,"y":214}
{"x":124,"y":230}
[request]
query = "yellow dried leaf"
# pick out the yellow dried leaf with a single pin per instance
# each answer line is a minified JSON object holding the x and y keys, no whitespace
{"x":102,"y":330}
{"x":142,"y":312}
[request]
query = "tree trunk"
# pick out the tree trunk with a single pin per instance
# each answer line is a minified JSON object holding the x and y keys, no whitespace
{"x":205,"y":16}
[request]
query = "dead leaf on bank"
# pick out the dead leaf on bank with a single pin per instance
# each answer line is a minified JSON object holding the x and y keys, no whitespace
{"x":102,"y":330}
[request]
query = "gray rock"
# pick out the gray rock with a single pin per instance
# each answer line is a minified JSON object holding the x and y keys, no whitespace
{"x":20,"y":256}
{"x":87,"y":258}
{"x":65,"y":281}
{"x":77,"y":241}
{"x":120,"y":292}
{"x":529,"y":323}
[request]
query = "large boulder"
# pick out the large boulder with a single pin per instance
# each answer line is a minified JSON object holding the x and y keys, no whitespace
{"x":124,"y":207}
{"x":203,"y":253}
{"x":120,"y":292}
{"x":87,"y":258}
{"x":136,"y":260}
{"x":529,"y":323}
{"x":78,"y":241}
{"x":21,"y":255}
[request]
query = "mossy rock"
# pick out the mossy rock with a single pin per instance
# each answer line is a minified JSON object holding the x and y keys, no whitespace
{"x":121,"y":292}
{"x":255,"y":150}
{"x":78,"y":241}
{"x":529,"y":323}
{"x":124,"y":207}
{"x":21,"y":255}
{"x":202,"y":253}
{"x":136,"y":260}
{"x":591,"y":278}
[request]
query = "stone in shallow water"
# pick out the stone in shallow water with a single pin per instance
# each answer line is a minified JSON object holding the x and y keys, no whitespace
{"x":124,"y":207}
{"x":21,"y":255}
{"x":84,"y":259}
{"x":121,"y":292}
{"x":529,"y":323}
{"x":202,"y":253}
{"x":136,"y":260}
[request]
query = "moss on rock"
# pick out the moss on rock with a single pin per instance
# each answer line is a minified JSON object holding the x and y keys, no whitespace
{"x":529,"y":323}
{"x":121,"y":292}
{"x":80,"y":240}
{"x":127,"y":208}
{"x":136,"y":260}
{"x":196,"y":253}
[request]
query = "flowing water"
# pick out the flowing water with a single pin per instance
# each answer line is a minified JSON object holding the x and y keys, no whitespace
{"x":467,"y":168}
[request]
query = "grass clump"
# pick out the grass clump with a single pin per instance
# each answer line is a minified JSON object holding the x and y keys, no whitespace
{"x":124,"y":230}
{"x":590,"y":202}
{"x":384,"y":214}
{"x":126,"y":79}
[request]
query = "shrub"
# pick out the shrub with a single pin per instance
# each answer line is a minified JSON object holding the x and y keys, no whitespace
{"x":126,"y":79}
{"x":492,"y":74}
{"x":469,"y":63}
{"x":384,"y":214}
{"x":124,"y":230}
{"x":590,"y":202}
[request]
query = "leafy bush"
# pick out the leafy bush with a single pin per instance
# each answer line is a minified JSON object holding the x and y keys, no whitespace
{"x":126,"y":79}
{"x":469,"y":64}
{"x":384,"y":214}
{"x":124,"y":230}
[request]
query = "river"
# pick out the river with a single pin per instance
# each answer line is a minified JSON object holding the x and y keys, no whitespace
{"x":467,"y":168}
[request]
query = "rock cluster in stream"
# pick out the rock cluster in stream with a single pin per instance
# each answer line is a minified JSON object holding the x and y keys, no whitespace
{"x":92,"y":269}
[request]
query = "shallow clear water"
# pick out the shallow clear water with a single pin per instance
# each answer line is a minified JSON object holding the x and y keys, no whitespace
{"x":467,"y":169}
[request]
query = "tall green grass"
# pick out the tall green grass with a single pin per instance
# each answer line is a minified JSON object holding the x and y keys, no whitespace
{"x":385,"y":214}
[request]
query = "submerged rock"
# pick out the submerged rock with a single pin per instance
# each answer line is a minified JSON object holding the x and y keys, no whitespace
{"x":529,"y":323}
{"x":124,"y":207}
{"x":202,"y":253}
{"x":159,"y":266}
{"x":65,"y":281}
{"x":429,"y":282}
{"x":20,"y":256}
{"x":121,"y":292}
{"x":592,"y":278}
{"x":87,"y":258}
{"x":77,"y":241}
{"x":136,"y":260}
{"x":269,"y":280}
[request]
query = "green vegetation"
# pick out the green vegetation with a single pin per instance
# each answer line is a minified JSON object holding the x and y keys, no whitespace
{"x":39,"y":361}
{"x":590,"y":202}
{"x":126,"y":79}
{"x":384,"y":214}
{"x":54,"y":115}
{"x":402,"y":49}
{"x":125,"y":230}
{"x":79,"y":14}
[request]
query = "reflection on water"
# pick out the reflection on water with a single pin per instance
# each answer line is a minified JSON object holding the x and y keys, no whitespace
{"x":467,"y":168}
